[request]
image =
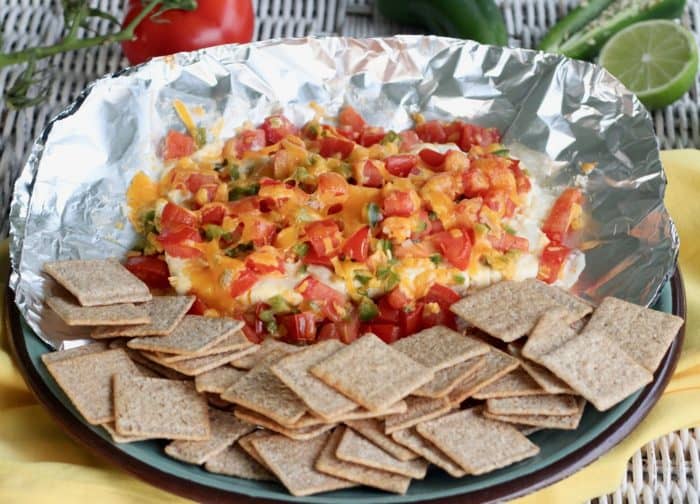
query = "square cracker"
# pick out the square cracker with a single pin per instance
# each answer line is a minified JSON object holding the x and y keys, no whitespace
{"x":231,"y":343}
{"x":543,"y":376}
{"x":555,"y":405}
{"x":225,"y":430}
{"x":497,"y":364}
{"x":161,"y":408}
{"x":268,"y":346}
{"x":362,"y":413}
{"x":87,"y":381}
{"x":645,"y":334}
{"x":328,"y":463}
{"x":420,"y":409}
{"x":301,"y":433}
{"x":447,"y":379}
{"x":118,"y":438}
{"x":261,"y":391}
{"x":192,"y":335}
{"x":98,"y":281}
{"x":551,"y":331}
{"x":477,"y":444}
{"x":516,"y":383}
{"x":372,"y":373}
{"x":246,"y":443}
{"x":234,"y":461}
{"x":217,"y":380}
{"x":440,"y":347}
{"x":58,"y":355}
{"x":418,"y":444}
{"x":359,"y":450}
{"x":293,"y":463}
{"x":165,"y":313}
{"x":198,"y":365}
{"x":373,"y":430}
{"x":567,"y":422}
{"x":74,"y":314}
{"x":293,"y":371}
{"x":508,"y":310}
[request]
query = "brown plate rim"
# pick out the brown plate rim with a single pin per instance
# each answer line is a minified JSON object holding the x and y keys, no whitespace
{"x":507,"y":490}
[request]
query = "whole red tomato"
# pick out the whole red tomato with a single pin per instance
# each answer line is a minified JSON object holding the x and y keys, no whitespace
{"x":213,"y":22}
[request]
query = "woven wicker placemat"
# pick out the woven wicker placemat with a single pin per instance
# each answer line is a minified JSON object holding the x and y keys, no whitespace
{"x":665,"y":470}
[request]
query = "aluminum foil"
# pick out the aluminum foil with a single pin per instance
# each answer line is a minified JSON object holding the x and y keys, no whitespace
{"x":557,"y":114}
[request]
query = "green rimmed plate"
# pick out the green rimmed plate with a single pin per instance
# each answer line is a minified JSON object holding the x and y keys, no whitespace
{"x":562,"y":452}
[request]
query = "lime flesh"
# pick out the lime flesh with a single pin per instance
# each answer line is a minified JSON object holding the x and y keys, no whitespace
{"x":657,"y":60}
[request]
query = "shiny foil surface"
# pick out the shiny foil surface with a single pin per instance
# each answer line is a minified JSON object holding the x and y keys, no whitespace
{"x":558,"y":115}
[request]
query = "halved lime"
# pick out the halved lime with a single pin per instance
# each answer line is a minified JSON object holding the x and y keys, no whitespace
{"x":657,"y":60}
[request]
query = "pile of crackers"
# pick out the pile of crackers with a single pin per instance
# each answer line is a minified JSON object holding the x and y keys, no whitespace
{"x":330,"y":416}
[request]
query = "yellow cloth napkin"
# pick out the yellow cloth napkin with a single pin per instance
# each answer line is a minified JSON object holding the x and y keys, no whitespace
{"x":39,"y":463}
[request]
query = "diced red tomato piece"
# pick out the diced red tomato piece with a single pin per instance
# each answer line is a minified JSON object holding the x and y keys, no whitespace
{"x":522,"y":181}
{"x":553,"y":258}
{"x":333,"y":302}
{"x":324,"y":236}
{"x":387,"y":313}
{"x":262,"y":268}
{"x":442,"y":295}
{"x":367,"y":174}
{"x":431,"y":132}
{"x":456,"y":246}
{"x":456,"y":161}
{"x":441,"y":316}
{"x":397,"y":299}
{"x":407,"y":139}
{"x":197,"y":180}
{"x":475,"y":182}
{"x":477,"y":135}
{"x":252,"y":336}
{"x":262,"y":232}
{"x":386,"y":332}
{"x":250,"y":140}
{"x":401,"y":164}
{"x":507,"y":241}
{"x":356,"y":247}
{"x":174,"y":216}
{"x":276,"y":127}
{"x":559,"y":220}
{"x":177,"y":145}
{"x":198,"y":307}
{"x":183,"y":251}
{"x":496,"y":201}
{"x":153,"y":271}
{"x":243,"y":282}
{"x":213,"y":214}
{"x":312,"y":257}
{"x":177,"y":235}
{"x":371,"y":135}
{"x":345,"y":331}
{"x":432,"y":158}
{"x":453,"y":131}
{"x":330,"y":146}
{"x":332,"y":188}
{"x":410,"y":321}
{"x":299,"y":327}
{"x":351,"y":118}
{"x":242,"y":206}
{"x":398,"y":204}
{"x":348,"y":132}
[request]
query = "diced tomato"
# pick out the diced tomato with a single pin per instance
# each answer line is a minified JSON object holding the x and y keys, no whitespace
{"x":522,"y":181}
{"x":242,"y":206}
{"x":496,"y":201}
{"x":177,"y":145}
{"x":407,"y":140}
{"x":183,"y":251}
{"x":442,"y":295}
{"x":440,"y":316}
{"x":551,"y":262}
{"x":356,"y":247}
{"x":299,"y":327}
{"x":348,"y":132}
{"x":332,"y":188}
{"x":432,"y":158}
{"x":456,"y":161}
{"x":477,"y":135}
{"x":350,"y":117}
{"x":371,"y":135}
{"x":467,"y":211}
{"x":176,"y":235}
{"x":367,"y":174}
{"x":401,"y":164}
{"x":330,"y":146}
{"x":388,"y":333}
{"x":252,"y":336}
{"x":387,"y":313}
{"x":174,"y":216}
{"x":507,"y":241}
{"x":453,"y":131}
{"x":312,"y":257}
{"x":398,"y":204}
{"x":436,"y":226}
{"x":249,"y":140}
{"x":243,"y":283}
{"x":276,"y":127}
{"x":456,"y":246}
{"x":431,"y":132}
{"x":557,"y":224}
{"x":262,"y":232}
{"x":333,"y":302}
{"x":213,"y":214}
{"x":324,"y":236}
{"x":197,"y":180}
{"x":397,"y":299}
{"x":153,"y":271}
{"x":198,"y":307}
{"x":345,"y":331}
{"x":475,"y":182}
{"x":409,"y":321}
{"x":263,"y":268}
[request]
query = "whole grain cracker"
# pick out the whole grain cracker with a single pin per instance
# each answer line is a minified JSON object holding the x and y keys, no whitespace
{"x":554,"y":405}
{"x":362,"y":413}
{"x":359,"y":450}
{"x":293,"y":371}
{"x":497,"y":364}
{"x":372,"y":373}
{"x":300,"y":434}
{"x":568,"y":422}
{"x":160,"y":408}
{"x":198,"y":365}
{"x":165,"y":313}
{"x":98,"y":281}
{"x":261,"y":391}
{"x":118,"y":438}
{"x":87,"y":381}
{"x":139,"y":358}
{"x":74,"y":314}
{"x":508,"y":310}
{"x":447,"y":379}
{"x":543,"y":376}
{"x":268,"y":346}
{"x":418,"y":444}
{"x":232,"y":343}
{"x":246,"y":444}
{"x":328,"y":463}
{"x":477,"y":444}
{"x":550,"y":332}
{"x":217,"y":380}
{"x":373,"y":430}
{"x":293,"y":463}
{"x":58,"y":355}
{"x":440,"y":347}
{"x":514,"y":384}
{"x":234,"y":461}
{"x":420,"y":409}
{"x":225,"y":430}
{"x":194,"y":334}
